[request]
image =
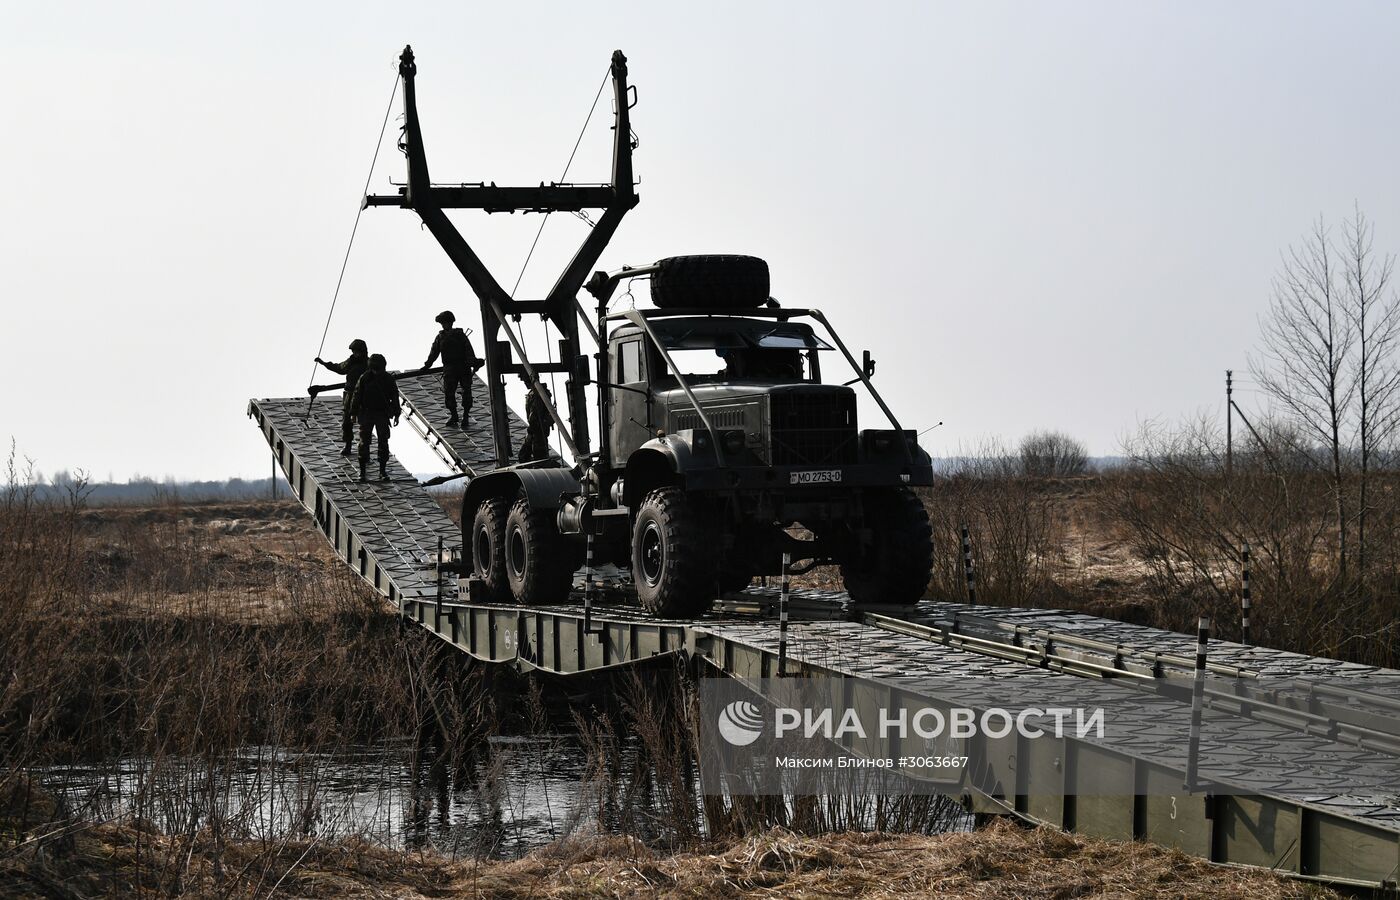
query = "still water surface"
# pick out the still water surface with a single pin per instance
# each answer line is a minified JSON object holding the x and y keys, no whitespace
{"x":522,"y":793}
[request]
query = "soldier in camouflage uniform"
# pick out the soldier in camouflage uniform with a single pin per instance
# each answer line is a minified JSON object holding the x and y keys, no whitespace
{"x":374,"y":403}
{"x":538,"y":423}
{"x":352,"y":368}
{"x":458,"y":362}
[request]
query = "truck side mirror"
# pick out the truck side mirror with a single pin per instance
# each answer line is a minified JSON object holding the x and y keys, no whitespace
{"x":868,"y":364}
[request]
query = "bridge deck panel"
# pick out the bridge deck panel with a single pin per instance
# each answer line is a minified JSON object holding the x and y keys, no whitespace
{"x":396,"y":523}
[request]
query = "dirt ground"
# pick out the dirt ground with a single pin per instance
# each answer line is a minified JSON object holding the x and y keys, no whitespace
{"x":254,"y":550}
{"x":250,"y":561}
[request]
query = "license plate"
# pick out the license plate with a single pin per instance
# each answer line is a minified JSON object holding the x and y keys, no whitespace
{"x":815,"y":476}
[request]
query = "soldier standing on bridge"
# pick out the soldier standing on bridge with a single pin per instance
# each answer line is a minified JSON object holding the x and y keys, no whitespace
{"x":458,"y":361}
{"x":374,"y":403}
{"x":539,"y":423}
{"x":353,"y":367}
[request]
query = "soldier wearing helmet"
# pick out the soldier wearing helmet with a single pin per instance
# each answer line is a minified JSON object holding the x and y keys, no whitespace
{"x":374,"y":403}
{"x":352,"y":368}
{"x":458,"y":362}
{"x":538,"y":422}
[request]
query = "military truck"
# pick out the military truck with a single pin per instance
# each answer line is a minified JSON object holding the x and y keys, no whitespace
{"x":720,"y":448}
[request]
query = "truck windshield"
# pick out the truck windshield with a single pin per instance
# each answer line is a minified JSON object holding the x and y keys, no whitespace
{"x":724,"y":349}
{"x":736,"y":334}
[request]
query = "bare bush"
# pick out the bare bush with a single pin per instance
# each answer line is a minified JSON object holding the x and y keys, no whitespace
{"x":1052,"y":454}
{"x":1014,"y":528}
{"x":1188,"y":524}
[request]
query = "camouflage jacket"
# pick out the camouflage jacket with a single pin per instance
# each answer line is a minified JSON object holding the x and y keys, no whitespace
{"x":536,"y":412}
{"x":353,"y":367}
{"x":455,"y":348}
{"x":376,"y":394}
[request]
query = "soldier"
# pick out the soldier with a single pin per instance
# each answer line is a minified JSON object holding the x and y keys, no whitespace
{"x":538,"y":423}
{"x":458,"y":362}
{"x":374,"y":403}
{"x":352,"y":369}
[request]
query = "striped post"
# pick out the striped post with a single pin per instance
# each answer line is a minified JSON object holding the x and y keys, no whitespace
{"x":1244,"y":595}
{"x":1198,"y":689}
{"x":437,"y":609}
{"x":783,"y":617}
{"x":589,"y":627}
{"x":967,"y":566}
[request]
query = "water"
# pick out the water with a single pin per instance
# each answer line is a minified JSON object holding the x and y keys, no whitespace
{"x":520,"y":793}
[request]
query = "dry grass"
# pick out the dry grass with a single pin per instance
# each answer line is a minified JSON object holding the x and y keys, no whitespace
{"x":1002,"y":861}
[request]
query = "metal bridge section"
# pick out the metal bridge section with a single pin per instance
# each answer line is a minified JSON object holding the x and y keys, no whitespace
{"x":468,"y":450}
{"x":1309,"y":748}
{"x":387,"y":532}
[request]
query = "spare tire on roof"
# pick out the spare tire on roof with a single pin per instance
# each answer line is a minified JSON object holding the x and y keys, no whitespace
{"x":710,"y":282}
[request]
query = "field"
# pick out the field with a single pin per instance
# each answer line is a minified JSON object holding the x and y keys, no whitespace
{"x":184,"y":633}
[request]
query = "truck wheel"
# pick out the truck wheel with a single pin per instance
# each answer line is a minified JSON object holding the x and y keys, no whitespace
{"x":488,"y":548}
{"x":710,"y":282}
{"x":671,"y":567}
{"x":536,"y":556}
{"x":897,"y":567}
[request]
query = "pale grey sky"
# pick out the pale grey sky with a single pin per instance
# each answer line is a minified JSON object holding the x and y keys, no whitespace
{"x":1034,"y":214}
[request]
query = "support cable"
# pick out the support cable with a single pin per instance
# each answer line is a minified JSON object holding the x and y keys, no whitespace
{"x":356,"y":227}
{"x":549,"y":347}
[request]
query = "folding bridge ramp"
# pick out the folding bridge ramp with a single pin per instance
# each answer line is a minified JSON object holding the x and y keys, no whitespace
{"x":1309,"y":746}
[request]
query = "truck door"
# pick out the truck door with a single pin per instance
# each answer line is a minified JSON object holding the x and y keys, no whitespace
{"x":628,"y":424}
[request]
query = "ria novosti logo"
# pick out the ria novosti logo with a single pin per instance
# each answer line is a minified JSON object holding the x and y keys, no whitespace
{"x":740,"y":723}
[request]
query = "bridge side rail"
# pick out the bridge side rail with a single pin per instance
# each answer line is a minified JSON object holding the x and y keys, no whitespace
{"x":350,"y":517}
{"x":1079,"y":785}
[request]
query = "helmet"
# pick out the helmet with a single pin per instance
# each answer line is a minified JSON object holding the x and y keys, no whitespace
{"x":377,"y":362}
{"x":445,"y":317}
{"x":358,"y":346}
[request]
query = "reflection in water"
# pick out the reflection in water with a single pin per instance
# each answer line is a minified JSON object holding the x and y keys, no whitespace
{"x":516,"y":794}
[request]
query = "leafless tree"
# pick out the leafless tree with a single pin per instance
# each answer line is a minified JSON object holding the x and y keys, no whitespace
{"x":1330,"y":343}
{"x":1308,"y":338}
{"x":1050,"y":454}
{"x":1374,"y":315}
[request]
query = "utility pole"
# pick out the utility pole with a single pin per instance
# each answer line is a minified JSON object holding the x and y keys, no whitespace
{"x":1229,"y":424}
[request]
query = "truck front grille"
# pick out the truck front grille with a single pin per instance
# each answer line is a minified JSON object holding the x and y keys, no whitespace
{"x":813,"y":429}
{"x":720,"y":418}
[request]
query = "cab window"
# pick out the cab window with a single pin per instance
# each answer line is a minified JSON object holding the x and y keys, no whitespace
{"x":629,"y":362}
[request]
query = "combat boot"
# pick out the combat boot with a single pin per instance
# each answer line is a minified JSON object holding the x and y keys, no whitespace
{"x":383,"y":474}
{"x":346,"y":451}
{"x":363,"y":479}
{"x":452,"y":419}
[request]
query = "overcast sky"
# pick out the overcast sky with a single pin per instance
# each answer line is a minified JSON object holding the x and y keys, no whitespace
{"x":1035,"y":214}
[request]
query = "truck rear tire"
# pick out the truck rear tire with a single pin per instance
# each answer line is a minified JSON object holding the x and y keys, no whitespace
{"x":671,"y":565}
{"x":537,"y":560}
{"x":897,"y":567}
{"x":710,"y":282}
{"x":488,"y":548}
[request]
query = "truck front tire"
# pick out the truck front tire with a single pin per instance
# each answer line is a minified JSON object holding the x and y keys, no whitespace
{"x":895,"y":569}
{"x":671,"y":562}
